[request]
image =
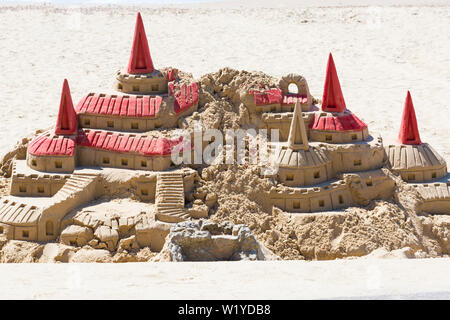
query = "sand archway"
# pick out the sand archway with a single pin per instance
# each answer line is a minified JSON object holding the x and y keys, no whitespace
{"x":299,"y":81}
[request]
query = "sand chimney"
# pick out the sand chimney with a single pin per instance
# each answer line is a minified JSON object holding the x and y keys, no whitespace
{"x":140,"y":59}
{"x":333,"y":100}
{"x":67,"y":118}
{"x":409,"y":132}
{"x":297,"y":132}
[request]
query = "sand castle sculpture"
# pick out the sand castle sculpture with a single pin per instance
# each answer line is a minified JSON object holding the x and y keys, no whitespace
{"x":327,"y":158}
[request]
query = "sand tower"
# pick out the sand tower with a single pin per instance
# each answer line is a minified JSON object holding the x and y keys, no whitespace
{"x":53,"y":151}
{"x":336,"y":124}
{"x":299,"y":163}
{"x":298,"y":138}
{"x":140,"y":76}
{"x":413,"y":160}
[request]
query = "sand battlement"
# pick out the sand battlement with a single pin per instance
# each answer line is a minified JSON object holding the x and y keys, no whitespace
{"x":28,"y":182}
{"x":355,"y":189}
{"x":329,"y":196}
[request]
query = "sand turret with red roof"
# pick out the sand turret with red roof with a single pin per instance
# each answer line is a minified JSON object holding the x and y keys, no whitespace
{"x":140,"y":76}
{"x":414,"y":160}
{"x":54,"y":150}
{"x":336,"y":124}
{"x":409,"y":132}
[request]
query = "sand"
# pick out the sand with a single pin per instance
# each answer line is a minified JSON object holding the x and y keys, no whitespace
{"x":355,"y":279}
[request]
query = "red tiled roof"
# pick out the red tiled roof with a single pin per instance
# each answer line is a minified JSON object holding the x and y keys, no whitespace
{"x":271,"y":96}
{"x":52,"y":145}
{"x":118,"y":105}
{"x":292,"y":99}
{"x":344,"y":122}
{"x":127,"y":143}
{"x":185,"y":97}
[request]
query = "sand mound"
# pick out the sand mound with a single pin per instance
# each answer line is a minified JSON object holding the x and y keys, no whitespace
{"x":352,"y":232}
{"x":220,"y":105}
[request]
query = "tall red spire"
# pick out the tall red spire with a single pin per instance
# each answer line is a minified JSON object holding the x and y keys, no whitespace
{"x":333,"y":100}
{"x":409,"y":132}
{"x":140,"y":59}
{"x":67,"y":118}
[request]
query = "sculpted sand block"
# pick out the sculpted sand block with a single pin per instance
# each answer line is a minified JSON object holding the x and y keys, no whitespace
{"x":124,"y":142}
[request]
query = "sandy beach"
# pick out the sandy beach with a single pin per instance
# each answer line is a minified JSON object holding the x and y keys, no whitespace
{"x":351,"y":279}
{"x":381,"y":50}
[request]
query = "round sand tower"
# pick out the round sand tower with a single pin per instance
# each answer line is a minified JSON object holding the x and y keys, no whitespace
{"x":413,"y":160}
{"x":141,"y":77}
{"x":301,"y":164}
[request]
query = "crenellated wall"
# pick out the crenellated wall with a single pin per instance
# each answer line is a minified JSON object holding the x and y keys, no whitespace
{"x":148,"y":83}
{"x":28,"y":182}
{"x":331,"y":196}
{"x":282,"y":122}
{"x":355,"y":189}
{"x":87,"y":156}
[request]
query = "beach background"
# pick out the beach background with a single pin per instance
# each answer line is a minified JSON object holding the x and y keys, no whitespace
{"x":381,"y":50}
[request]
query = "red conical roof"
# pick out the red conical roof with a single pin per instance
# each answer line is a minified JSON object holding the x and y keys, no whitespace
{"x":67,"y":118}
{"x":140,"y":59}
{"x":333,"y":100}
{"x":409,"y":132}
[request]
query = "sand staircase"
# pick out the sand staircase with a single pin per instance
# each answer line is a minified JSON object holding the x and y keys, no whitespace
{"x":74,"y":185}
{"x":170,"y":197}
{"x":78,"y":189}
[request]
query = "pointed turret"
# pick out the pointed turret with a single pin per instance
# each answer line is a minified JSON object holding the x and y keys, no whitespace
{"x":297,"y":132}
{"x":140,"y":59}
{"x":67,"y":118}
{"x":332,"y":100}
{"x":409,"y":132}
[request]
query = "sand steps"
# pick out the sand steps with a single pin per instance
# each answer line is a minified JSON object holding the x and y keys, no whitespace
{"x":79,"y":189}
{"x":170,"y":197}
{"x":75,"y":184}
